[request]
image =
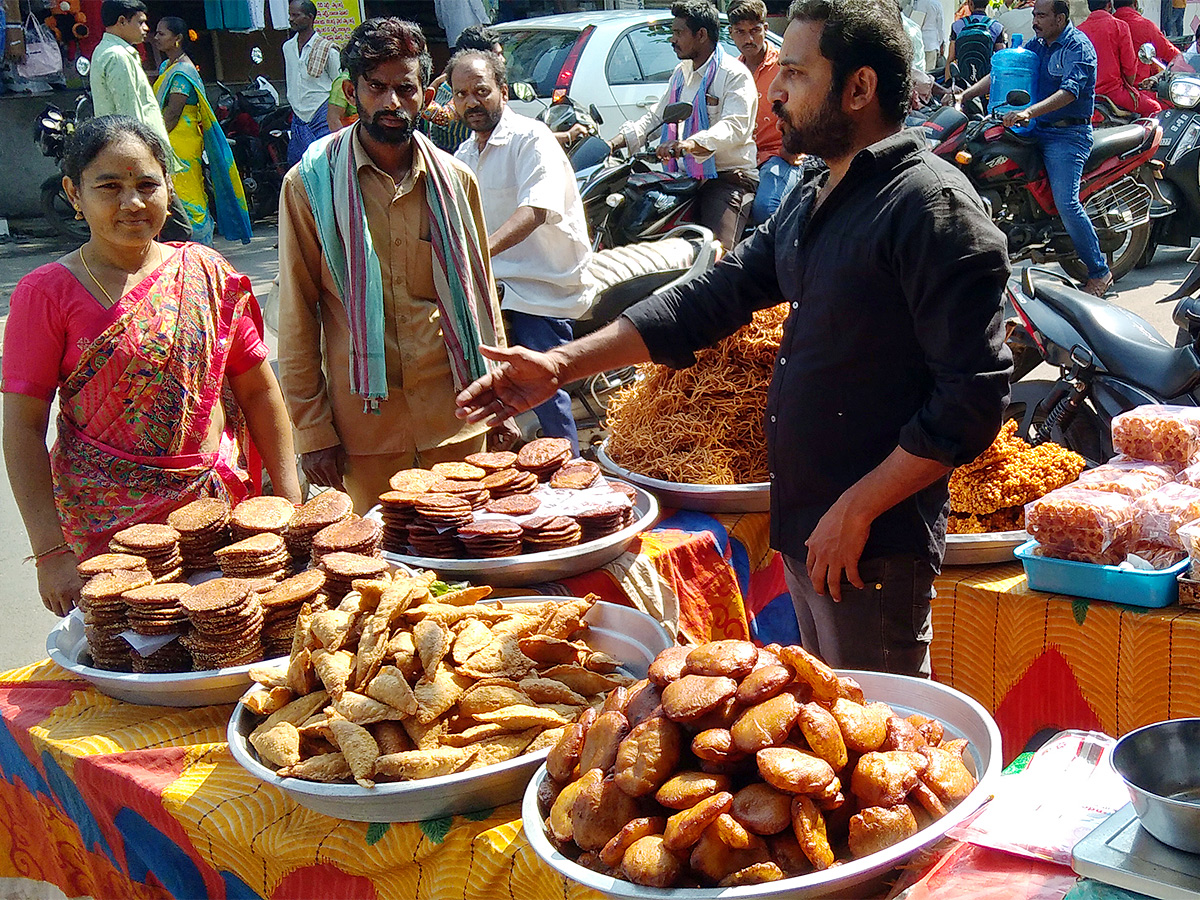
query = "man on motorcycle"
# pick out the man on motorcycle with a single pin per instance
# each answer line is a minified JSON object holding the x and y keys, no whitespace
{"x":537,"y":234}
{"x":1143,"y":31}
{"x":893,"y":367}
{"x":716,"y":143}
{"x":1116,"y":60}
{"x":1063,"y":109}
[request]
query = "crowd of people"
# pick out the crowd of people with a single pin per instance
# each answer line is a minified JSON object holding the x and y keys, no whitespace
{"x":433,"y":253}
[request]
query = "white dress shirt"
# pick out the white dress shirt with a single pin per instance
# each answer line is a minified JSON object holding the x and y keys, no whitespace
{"x":932,"y":21}
{"x":522,"y":164}
{"x":729,"y":138}
{"x":304,"y":92}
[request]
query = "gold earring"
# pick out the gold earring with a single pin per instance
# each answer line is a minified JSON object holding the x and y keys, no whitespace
{"x":78,"y":213}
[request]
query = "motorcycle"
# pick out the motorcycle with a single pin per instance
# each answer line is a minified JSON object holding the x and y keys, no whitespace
{"x":624,"y":276}
{"x":1117,"y":190}
{"x":51,"y":132}
{"x":1179,"y":153}
{"x":257,"y":127}
{"x":1109,"y":359}
{"x":560,"y":116}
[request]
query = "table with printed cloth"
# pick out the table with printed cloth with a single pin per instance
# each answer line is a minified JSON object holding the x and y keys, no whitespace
{"x":101,"y":798}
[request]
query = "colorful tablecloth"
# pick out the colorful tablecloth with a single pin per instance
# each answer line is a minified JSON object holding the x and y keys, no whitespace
{"x":1039,"y":661}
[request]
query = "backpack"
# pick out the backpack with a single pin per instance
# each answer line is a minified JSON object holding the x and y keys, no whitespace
{"x":973,"y":50}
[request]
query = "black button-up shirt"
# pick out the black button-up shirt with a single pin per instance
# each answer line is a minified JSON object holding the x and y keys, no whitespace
{"x":894,"y":338}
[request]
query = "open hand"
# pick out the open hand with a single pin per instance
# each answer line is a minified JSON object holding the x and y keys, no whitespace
{"x":523,"y":379}
{"x":835,"y":547}
{"x":59,"y":582}
{"x":325,"y":467}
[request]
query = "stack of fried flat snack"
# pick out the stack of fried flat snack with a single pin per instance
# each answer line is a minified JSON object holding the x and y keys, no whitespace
{"x":396,"y":683}
{"x":990,"y":492}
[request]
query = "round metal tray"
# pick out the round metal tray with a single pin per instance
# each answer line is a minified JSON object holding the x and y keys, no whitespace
{"x":535,"y":568}
{"x":982,"y":549}
{"x":961,"y":716}
{"x":66,"y":645}
{"x":721,"y":498}
{"x":627,"y":634}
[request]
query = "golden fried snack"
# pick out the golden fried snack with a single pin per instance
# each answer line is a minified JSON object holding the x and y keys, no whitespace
{"x":813,"y":672}
{"x":649,"y":862}
{"x":946,"y":775}
{"x":603,"y":737}
{"x":763,"y":684}
{"x":614,"y":851}
{"x":765,"y":724}
{"x":762,"y":809}
{"x":794,"y":771}
{"x":685,"y":827}
{"x":685,"y":790}
{"x":410,"y":765}
{"x":327,"y":767}
{"x":646,"y":759}
{"x":823,"y":734}
{"x":714,"y":859}
{"x":864,"y":728}
{"x":263,"y":703}
{"x":358,"y":746}
{"x":734,"y":659}
{"x":1164,"y":434}
{"x":733,"y":833}
{"x":877,"y":828}
{"x":600,"y":810}
{"x":1089,"y":526}
{"x":808,"y":825}
{"x":885,"y":778}
{"x":279,"y":745}
{"x":693,"y":695}
{"x":756,"y":873}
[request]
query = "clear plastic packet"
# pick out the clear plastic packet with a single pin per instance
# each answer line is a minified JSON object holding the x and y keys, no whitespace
{"x":1067,"y":790}
{"x":1189,"y":537}
{"x":1161,"y":512}
{"x":1155,"y":556}
{"x":1131,"y":477}
{"x":1088,"y":526}
{"x":1190,"y":475}
{"x":1167,"y":434}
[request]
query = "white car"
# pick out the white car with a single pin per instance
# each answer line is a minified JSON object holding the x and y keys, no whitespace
{"x":618,"y":60}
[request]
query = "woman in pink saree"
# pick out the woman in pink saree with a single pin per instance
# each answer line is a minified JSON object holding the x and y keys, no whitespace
{"x":156,"y":354}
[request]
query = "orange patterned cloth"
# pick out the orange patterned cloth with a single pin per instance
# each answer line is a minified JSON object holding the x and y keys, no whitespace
{"x":1039,"y":661}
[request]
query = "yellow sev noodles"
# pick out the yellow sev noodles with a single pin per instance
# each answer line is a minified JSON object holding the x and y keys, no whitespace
{"x":704,"y":424}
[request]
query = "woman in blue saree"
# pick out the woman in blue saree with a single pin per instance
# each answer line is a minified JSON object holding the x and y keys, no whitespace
{"x":194,"y":131}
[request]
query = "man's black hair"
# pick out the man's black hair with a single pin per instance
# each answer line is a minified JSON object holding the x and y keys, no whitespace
{"x":858,"y":33}
{"x":699,"y":14}
{"x":113,"y":10}
{"x":378,"y":40}
{"x":1094,"y":5}
{"x":495,"y":62}
{"x":979,"y":5}
{"x":307,"y":5}
{"x":1062,"y":8}
{"x":477,"y":37}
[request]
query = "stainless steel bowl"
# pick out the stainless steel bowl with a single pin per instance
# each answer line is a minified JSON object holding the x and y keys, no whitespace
{"x":1160,"y":765}
{"x":718,"y":498}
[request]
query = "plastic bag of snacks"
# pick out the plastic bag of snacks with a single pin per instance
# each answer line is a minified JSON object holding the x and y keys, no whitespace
{"x":1131,"y":477}
{"x":1089,"y":526}
{"x":1161,"y":512}
{"x":1165,"y":434}
{"x":1190,"y":475}
{"x":1189,"y":537}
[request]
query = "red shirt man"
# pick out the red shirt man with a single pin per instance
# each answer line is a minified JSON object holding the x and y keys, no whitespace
{"x":1116,"y":62}
{"x":1143,"y":31}
{"x":766,"y":129}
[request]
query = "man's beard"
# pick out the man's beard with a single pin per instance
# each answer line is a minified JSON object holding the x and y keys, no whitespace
{"x":828,"y":133}
{"x":491,"y":120}
{"x":381,"y":133}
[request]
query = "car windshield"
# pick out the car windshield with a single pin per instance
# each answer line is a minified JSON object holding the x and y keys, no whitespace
{"x":536,"y":56}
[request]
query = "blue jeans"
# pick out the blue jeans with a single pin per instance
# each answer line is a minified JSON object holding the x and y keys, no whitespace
{"x":776,"y":177}
{"x":1172,"y":19}
{"x":1065,"y":150}
{"x":542,"y":333}
{"x":304,"y":133}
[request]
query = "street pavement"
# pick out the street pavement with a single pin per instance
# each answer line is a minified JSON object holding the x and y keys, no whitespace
{"x":23,"y":639}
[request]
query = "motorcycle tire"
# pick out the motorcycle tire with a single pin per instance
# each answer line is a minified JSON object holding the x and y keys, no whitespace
{"x":1087,"y":434}
{"x":1121,"y":263}
{"x":58,"y":211}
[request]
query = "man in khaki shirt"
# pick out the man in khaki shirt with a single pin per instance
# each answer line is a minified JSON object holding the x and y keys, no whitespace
{"x":342,"y":443}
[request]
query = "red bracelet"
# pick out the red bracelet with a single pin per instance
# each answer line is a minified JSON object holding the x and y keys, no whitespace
{"x":36,"y":558}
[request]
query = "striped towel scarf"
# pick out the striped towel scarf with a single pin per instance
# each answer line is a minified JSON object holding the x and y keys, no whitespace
{"x":461,"y":272}
{"x":696,"y":122}
{"x":318,"y":54}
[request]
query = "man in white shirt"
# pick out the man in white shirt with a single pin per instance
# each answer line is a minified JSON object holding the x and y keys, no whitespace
{"x":310,"y":63}
{"x":928,"y":14}
{"x":717,"y":142}
{"x":537,"y":234}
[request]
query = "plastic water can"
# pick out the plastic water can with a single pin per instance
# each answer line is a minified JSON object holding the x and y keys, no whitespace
{"x":1013,"y":69}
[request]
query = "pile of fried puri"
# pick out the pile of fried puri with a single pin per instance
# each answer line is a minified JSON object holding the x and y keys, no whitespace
{"x":733,"y":765}
{"x":407,"y":679}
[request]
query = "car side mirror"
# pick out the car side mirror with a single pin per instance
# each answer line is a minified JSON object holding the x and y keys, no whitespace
{"x":522,"y":90}
{"x":1146,"y":53}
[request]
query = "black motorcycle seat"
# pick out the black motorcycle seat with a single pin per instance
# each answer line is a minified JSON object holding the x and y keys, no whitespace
{"x":1110,"y":142}
{"x":1124,"y":344}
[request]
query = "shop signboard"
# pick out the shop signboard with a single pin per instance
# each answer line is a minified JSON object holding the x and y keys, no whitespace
{"x":337,"y":18}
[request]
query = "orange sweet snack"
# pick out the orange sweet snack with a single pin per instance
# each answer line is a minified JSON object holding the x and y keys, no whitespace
{"x":1088,"y":526}
{"x":1169,"y":434}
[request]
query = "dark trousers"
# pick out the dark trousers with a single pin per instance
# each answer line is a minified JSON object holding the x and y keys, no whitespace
{"x":723,"y":206}
{"x":885,"y":627}
{"x":178,"y":226}
{"x":542,"y":333}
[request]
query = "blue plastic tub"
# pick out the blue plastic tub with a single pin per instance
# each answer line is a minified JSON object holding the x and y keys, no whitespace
{"x":1135,"y":587}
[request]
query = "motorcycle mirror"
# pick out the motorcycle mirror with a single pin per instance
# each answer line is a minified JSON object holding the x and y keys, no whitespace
{"x":1017,"y":98}
{"x":561,"y":116}
{"x":256,"y":55}
{"x":596,"y":117}
{"x":83,"y":66}
{"x":589,"y":152}
{"x":676,"y":112}
{"x":1146,"y":53}
{"x":522,"y":90}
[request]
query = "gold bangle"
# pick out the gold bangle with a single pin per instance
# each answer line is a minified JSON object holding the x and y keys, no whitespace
{"x":57,"y":548}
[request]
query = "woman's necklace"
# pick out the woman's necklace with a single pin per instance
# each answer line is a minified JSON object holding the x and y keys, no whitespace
{"x":88,"y":269}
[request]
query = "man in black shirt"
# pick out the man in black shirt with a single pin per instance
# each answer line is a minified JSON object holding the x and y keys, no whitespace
{"x":892,"y":368}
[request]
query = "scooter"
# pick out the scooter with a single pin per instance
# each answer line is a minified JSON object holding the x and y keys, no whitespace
{"x":1109,"y":359}
{"x":51,"y":132}
{"x":626,"y":275}
{"x":257,"y":126}
{"x":1179,"y":153}
{"x":1118,"y":187}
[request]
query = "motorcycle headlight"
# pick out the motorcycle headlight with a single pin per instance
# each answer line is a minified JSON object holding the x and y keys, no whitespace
{"x":1184,"y":92}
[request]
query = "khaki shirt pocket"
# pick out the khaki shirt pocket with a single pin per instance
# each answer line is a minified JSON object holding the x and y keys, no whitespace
{"x":420,"y":279}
